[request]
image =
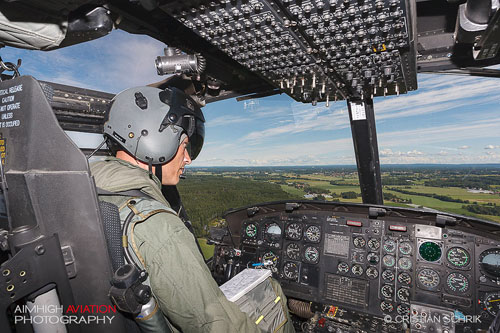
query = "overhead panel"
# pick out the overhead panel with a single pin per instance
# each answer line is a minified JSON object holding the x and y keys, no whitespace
{"x":316,"y":50}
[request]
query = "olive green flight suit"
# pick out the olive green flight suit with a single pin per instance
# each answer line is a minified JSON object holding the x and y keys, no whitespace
{"x":181,"y":281}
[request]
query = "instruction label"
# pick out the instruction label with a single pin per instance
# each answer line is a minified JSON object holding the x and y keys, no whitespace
{"x":8,"y":106}
{"x":358,"y":111}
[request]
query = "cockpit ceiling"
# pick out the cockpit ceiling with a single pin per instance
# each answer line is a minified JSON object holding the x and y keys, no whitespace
{"x":313,"y":50}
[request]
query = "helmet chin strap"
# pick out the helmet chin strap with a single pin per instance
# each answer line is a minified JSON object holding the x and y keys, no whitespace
{"x":150,"y":168}
{"x":158,"y":172}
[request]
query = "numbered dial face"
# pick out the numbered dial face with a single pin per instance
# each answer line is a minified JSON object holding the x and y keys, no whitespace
{"x":294,"y":231}
{"x":405,"y":248}
{"x":404,"y":278}
{"x":387,"y":291}
{"x":272,"y":232}
{"x":293,"y":251}
{"x":291,"y":270}
{"x":251,"y":230}
{"x":389,"y":260}
{"x":458,"y":257}
{"x":457,"y":282}
{"x":386,"y":306}
{"x":313,"y":234}
{"x":372,"y":272}
{"x":428,"y":278}
{"x":403,"y":294}
{"x":492,"y":303}
{"x":311,"y":255}
{"x":403,"y":310}
{"x":404,"y":263}
{"x":373,"y":244}
{"x":430,"y":251}
{"x":373,"y":258}
{"x":388,"y":275}
{"x":359,"y":242}
{"x":343,"y":267}
{"x":357,"y":270}
{"x":390,"y":246}
{"x":269,"y":258}
{"x":489,"y":262}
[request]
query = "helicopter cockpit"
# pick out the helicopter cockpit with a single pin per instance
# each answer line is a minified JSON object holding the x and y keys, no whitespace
{"x":344,"y":267}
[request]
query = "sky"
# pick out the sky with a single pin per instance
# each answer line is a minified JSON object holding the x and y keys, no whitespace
{"x":450,"y":119}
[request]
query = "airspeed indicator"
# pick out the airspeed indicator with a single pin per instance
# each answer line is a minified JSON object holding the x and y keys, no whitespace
{"x":458,"y":257}
{"x":457,"y":282}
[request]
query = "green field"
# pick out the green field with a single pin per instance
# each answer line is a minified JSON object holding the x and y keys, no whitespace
{"x":208,"y":250}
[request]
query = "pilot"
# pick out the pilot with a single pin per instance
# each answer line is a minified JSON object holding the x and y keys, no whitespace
{"x":153,"y":134}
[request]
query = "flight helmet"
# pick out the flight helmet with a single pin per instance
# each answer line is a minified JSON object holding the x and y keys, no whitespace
{"x":149,"y":123}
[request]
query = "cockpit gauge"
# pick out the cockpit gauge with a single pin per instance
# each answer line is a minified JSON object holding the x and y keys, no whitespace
{"x":293,"y":251}
{"x":293,"y":231}
{"x":405,"y":248}
{"x":489,"y":262}
{"x":272,"y":232}
{"x":458,"y":257}
{"x":428,"y":278}
{"x":291,"y":270}
{"x":372,"y":272}
{"x":457,"y":282}
{"x":250,"y":230}
{"x":403,"y":294}
{"x":359,"y":242}
{"x":373,"y":258}
{"x":373,"y":244}
{"x":430,"y":251}
{"x":311,"y":255}
{"x":390,"y":246}
{"x":357,"y":270}
{"x":388,"y":275}
{"x":387,"y":291}
{"x":492,"y":303}
{"x":313,"y":234}
{"x":389,"y":260}
{"x":270,"y":259}
{"x":404,"y":263}
{"x":403,"y":310}
{"x":404,"y":278}
{"x":343,"y":267}
{"x":386,"y":306}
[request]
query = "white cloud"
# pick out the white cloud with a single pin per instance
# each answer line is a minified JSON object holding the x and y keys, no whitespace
{"x":464,"y":147}
{"x":491,"y":147}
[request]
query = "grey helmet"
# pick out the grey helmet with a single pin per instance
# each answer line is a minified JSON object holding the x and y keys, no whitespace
{"x":149,"y":122}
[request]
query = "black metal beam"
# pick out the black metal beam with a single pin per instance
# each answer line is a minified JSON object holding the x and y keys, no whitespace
{"x":364,"y":137}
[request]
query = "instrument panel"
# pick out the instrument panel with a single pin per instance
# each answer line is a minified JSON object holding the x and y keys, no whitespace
{"x":382,"y":266}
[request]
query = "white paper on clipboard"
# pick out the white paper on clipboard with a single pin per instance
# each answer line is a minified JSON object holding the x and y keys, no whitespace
{"x":358,"y":111}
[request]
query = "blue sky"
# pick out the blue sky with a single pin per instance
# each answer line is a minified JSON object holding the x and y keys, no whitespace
{"x":449,"y":119}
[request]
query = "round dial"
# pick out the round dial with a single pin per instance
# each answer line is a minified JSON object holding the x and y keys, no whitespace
{"x":390,"y":246}
{"x":271,"y":258}
{"x":272,"y":232}
{"x":404,"y":278}
{"x":388,"y":275}
{"x":373,"y":244}
{"x":492,"y":303}
{"x":343,"y":267}
{"x":250,"y":230}
{"x":403,"y":310}
{"x":457,"y":282}
{"x":430,"y":251}
{"x":458,"y":257}
{"x":404,"y":263}
{"x":403,"y":294}
{"x":311,"y":254}
{"x":386,"y":306}
{"x":373,"y":258}
{"x":359,"y":242}
{"x":372,"y":272}
{"x":387,"y":291}
{"x":357,"y":270}
{"x":428,"y":278}
{"x":489,"y":262}
{"x":405,"y":248}
{"x":389,"y":260}
{"x":313,"y":234}
{"x":294,"y":231}
{"x":291,"y":270}
{"x":293,"y":251}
